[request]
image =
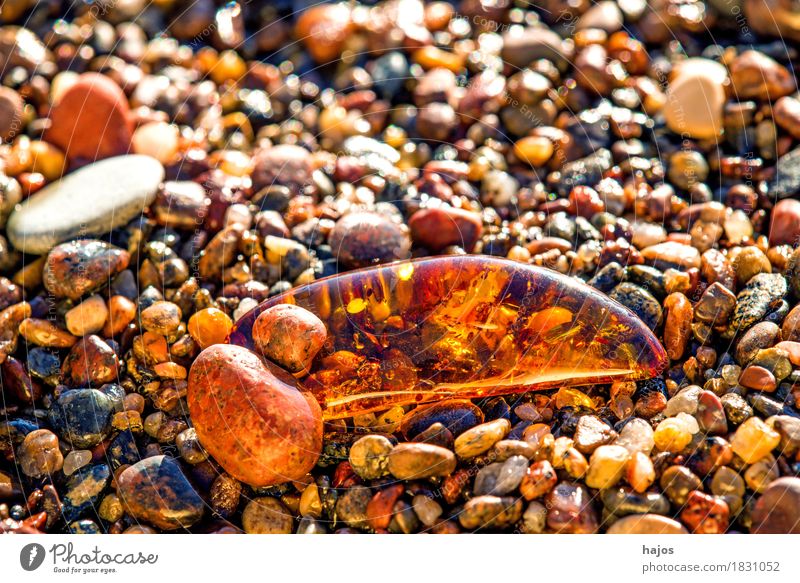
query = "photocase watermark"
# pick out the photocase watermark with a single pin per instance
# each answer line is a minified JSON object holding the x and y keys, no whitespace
{"x":65,"y":559}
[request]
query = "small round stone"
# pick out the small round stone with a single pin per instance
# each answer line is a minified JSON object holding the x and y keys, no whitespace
{"x":209,"y":326}
{"x":289,"y":335}
{"x":39,"y":456}
{"x":646,"y":524}
{"x":87,"y":317}
{"x":361,"y":239}
{"x":481,"y":438}
{"x":156,"y":490}
{"x":369,"y":456}
{"x":161,"y":318}
{"x":409,"y":461}
{"x":75,"y":268}
{"x":607,"y":466}
{"x":777,"y":511}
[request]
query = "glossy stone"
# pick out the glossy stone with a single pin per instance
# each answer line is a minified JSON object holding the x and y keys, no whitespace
{"x":75,"y":268}
{"x":155,"y":490}
{"x":83,"y":490}
{"x":83,"y":416}
{"x":251,"y":417}
{"x":91,"y":201}
{"x":461,"y":327}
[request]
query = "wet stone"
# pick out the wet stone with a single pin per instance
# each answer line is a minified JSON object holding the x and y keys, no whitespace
{"x":776,"y":511}
{"x":156,"y":490}
{"x":570,"y":510}
{"x":753,"y":303}
{"x":676,"y":483}
{"x":83,"y":490}
{"x":78,"y":267}
{"x":39,"y":455}
{"x":500,"y":479}
{"x":646,"y":524}
{"x":361,"y":239}
{"x":420,"y":460}
{"x":490,"y":512}
{"x":351,"y":507}
{"x":369,"y":456}
{"x":456,"y":416}
{"x":705,"y":514}
{"x":591,"y":432}
{"x":640,"y":301}
{"x":267,"y":516}
{"x":621,"y":502}
{"x":92,"y":201}
{"x":90,"y":362}
{"x":715,"y":305}
{"x":83,"y":416}
{"x":289,"y":336}
{"x":787,"y":176}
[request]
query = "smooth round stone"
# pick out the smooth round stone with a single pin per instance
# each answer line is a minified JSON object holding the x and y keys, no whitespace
{"x":11,"y":111}
{"x":156,"y":490}
{"x":157,"y":139}
{"x":91,"y":201}
{"x":646,"y":524}
{"x":92,"y":120}
{"x":695,"y":99}
{"x":776,"y":512}
{"x":785,"y":225}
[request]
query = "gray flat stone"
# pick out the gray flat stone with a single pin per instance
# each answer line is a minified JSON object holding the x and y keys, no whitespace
{"x":90,"y":201}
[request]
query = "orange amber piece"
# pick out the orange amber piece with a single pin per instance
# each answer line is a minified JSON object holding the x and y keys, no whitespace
{"x":461,"y":327}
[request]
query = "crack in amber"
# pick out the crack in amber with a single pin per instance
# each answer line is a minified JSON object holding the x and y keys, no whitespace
{"x":461,"y":326}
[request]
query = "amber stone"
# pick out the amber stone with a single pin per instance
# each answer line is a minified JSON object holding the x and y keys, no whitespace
{"x":464,"y":327}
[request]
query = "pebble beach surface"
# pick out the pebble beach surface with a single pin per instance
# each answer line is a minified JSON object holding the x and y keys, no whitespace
{"x":167,"y":166}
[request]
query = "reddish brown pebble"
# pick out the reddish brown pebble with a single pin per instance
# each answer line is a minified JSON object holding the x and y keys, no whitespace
{"x":90,"y":362}
{"x":324,"y":29}
{"x":289,"y":335}
{"x":677,"y":328}
{"x":440,"y":227}
{"x":777,"y":511}
{"x":75,"y":268}
{"x":758,"y":378}
{"x":538,"y":480}
{"x":252,"y":418}
{"x":784,"y":228}
{"x":92,"y":120}
{"x":705,"y":514}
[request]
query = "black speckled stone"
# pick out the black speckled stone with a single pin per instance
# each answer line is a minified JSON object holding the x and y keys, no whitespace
{"x":83,"y":416}
{"x":640,"y":301}
{"x":84,"y":489}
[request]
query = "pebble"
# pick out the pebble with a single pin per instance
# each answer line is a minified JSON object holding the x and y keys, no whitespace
{"x":754,"y":439}
{"x":646,"y":524}
{"x":324,"y":29}
{"x":351,"y":506}
{"x":606,"y":466}
{"x":90,"y":362}
{"x":677,"y":324}
{"x":267,"y":515}
{"x":156,"y":490}
{"x":754,"y":75}
{"x":84,"y":489}
{"x":91,"y":133}
{"x":674,"y":254}
{"x":534,"y":519}
{"x":456,"y":416}
{"x":761,"y":335}
{"x":286,"y":165}
{"x":87,"y":317}
{"x":695,"y":99}
{"x":11,"y":112}
{"x":209,"y":326}
{"x":490,"y":512}
{"x":252,"y":418}
{"x":289,"y":335}
{"x":715,"y":305}
{"x":710,"y":414}
{"x":369,"y":456}
{"x":162,"y":318}
{"x":677,"y":481}
{"x":591,"y":432}
{"x":83,"y":416}
{"x":753,"y":303}
{"x":748,"y":262}
{"x":636,"y":436}
{"x":705,"y":514}
{"x":501,"y":479}
{"x":640,"y":473}
{"x":39,"y":456}
{"x":427,"y":509}
{"x":538,"y":480}
{"x":758,"y":378}
{"x":408,"y":461}
{"x":78,"y":267}
{"x":157,"y":139}
{"x":622,"y":502}
{"x":784,"y":228}
{"x":777,"y":510}
{"x":481,"y":438}
{"x":361,"y":239}
{"x":570,"y":510}
{"x":75,"y":460}
{"x":439,"y":227}
{"x":522,"y":46}
{"x":639,"y":301}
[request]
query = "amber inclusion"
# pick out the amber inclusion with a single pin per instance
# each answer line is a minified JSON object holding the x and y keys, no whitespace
{"x":461,"y":326}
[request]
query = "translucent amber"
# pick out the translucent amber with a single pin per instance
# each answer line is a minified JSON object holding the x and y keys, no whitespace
{"x":461,"y":326}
